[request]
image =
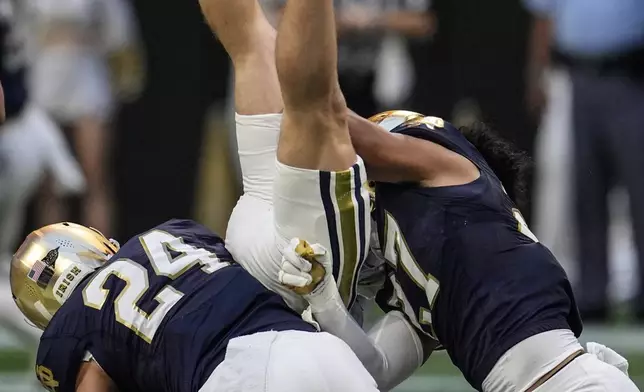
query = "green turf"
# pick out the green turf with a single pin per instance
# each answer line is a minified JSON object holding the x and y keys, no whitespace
{"x":15,"y":361}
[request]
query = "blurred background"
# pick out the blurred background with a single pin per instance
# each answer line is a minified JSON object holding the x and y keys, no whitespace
{"x":120,"y":117}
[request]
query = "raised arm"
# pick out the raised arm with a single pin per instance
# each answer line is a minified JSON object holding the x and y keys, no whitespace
{"x":391,"y":350}
{"x":249,"y":40}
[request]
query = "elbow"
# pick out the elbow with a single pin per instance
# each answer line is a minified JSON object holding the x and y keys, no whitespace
{"x":383,"y":384}
{"x":383,"y":380}
{"x":379,"y":370}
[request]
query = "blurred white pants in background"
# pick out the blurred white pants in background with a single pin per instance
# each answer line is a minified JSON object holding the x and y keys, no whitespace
{"x":553,"y":218}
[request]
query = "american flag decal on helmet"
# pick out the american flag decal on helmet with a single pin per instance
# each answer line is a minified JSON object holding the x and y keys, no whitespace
{"x":43,"y":270}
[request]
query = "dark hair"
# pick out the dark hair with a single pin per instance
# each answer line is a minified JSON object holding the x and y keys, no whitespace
{"x":510,"y":164}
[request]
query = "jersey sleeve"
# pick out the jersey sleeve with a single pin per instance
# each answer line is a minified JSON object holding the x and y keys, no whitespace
{"x":58,"y":362}
{"x":394,"y":297}
{"x":391,"y":351}
{"x":195,"y":234}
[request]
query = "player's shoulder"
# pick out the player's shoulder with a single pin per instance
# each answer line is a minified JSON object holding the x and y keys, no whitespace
{"x":186,"y":228}
{"x":175,"y":231}
{"x":60,"y":354}
{"x":71,"y":320}
{"x":63,"y":345}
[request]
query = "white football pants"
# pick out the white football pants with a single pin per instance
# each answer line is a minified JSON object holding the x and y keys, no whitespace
{"x":289,"y":361}
{"x":525,"y":363}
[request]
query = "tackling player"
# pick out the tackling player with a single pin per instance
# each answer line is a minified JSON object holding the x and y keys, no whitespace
{"x":464,"y":269}
{"x":167,"y":311}
{"x":315,"y":186}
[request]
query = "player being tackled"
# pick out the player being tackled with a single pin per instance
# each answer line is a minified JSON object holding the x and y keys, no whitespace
{"x":170,"y":310}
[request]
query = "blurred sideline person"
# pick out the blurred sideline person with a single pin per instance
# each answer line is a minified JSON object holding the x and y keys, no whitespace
{"x":84,"y":52}
{"x":32,"y":147}
{"x":171,"y":311}
{"x":597,"y":49}
{"x":300,"y":172}
{"x":367,"y":32}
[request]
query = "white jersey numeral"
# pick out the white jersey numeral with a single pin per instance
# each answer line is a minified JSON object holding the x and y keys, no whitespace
{"x":157,"y":245}
{"x":523,"y":226}
{"x":397,"y":253}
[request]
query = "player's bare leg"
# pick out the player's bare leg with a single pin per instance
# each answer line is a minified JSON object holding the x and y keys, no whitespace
{"x":314,"y":134}
{"x":312,"y":191}
{"x":249,"y":39}
{"x":318,"y":191}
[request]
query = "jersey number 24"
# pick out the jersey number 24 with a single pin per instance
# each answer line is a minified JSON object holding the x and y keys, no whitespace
{"x":155,"y":244}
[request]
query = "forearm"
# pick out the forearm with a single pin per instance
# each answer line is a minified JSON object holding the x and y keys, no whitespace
{"x":391,"y":351}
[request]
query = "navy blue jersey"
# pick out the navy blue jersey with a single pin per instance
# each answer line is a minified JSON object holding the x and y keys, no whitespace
{"x":12,"y":60}
{"x":464,"y":266}
{"x":158,"y":316}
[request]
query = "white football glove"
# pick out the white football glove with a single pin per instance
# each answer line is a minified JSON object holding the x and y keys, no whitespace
{"x":608,"y":356}
{"x":306,"y":269}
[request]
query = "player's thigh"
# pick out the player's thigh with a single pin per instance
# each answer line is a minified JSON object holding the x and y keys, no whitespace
{"x":604,"y":377}
{"x":250,"y":238}
{"x":588,"y":374}
{"x":315,"y":362}
{"x":245,"y":365}
{"x":329,"y":208}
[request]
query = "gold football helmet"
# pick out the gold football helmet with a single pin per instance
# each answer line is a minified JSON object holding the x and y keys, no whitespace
{"x":49,"y":265}
{"x":394,"y":118}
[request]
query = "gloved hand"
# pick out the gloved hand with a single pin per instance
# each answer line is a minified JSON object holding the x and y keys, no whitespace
{"x":304,"y":270}
{"x":608,"y":356}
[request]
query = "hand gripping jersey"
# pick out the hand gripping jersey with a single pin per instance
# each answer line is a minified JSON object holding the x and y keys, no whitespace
{"x":464,"y":267}
{"x":159,"y":314}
